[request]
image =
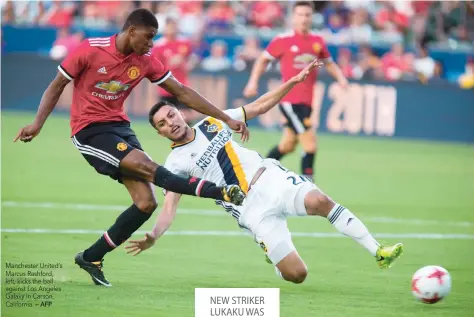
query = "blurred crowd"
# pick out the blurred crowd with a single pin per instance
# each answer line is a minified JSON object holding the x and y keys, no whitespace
{"x":364,"y":22}
{"x":356,"y":21}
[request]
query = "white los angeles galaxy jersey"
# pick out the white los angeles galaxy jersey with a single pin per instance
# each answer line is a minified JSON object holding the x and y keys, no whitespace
{"x":214,"y":156}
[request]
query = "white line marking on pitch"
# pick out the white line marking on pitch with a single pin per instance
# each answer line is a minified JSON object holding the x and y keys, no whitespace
{"x":430,"y":236}
{"x":222,"y":213}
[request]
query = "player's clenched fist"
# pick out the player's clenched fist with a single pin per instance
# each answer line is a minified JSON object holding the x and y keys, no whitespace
{"x":27,"y":133}
{"x":250,"y":90}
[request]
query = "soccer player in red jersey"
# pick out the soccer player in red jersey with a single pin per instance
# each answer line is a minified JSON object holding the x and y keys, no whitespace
{"x":104,"y":72}
{"x":295,"y":50}
{"x":176,"y":54}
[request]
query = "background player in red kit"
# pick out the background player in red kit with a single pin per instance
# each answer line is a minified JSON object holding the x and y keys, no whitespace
{"x":295,"y":50}
{"x":105,"y":70}
{"x":176,"y":54}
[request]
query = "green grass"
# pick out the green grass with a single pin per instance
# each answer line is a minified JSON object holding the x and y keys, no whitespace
{"x":374,"y":177}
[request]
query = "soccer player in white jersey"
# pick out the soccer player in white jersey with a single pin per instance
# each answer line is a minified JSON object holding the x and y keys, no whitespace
{"x":207,"y":151}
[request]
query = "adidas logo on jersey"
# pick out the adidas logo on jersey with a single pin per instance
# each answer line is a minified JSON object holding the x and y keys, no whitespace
{"x":102,"y":70}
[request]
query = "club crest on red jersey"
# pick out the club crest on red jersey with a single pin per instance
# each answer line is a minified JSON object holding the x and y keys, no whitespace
{"x":183,"y":49}
{"x":316,"y":48}
{"x":112,"y":87}
{"x":133,"y":72}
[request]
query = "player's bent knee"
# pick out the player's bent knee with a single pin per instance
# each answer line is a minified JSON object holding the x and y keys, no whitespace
{"x":293,"y":268}
{"x":287,"y":147}
{"x":147,"y":205}
{"x":296,"y":274}
{"x":300,"y":275}
{"x":308,"y":142}
{"x":318,"y":203}
{"x":309,"y":148}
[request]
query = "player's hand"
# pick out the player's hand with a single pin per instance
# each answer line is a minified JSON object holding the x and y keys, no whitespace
{"x":250,"y":90}
{"x":344,"y":84}
{"x":137,"y":246}
{"x":239,"y":127}
{"x":27,"y":133}
{"x":307,"y":70}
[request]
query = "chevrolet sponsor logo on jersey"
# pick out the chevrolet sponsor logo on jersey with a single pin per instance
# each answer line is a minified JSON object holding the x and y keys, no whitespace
{"x":304,"y":58}
{"x":112,"y":87}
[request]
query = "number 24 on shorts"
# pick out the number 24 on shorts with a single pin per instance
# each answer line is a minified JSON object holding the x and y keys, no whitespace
{"x":296,"y":179}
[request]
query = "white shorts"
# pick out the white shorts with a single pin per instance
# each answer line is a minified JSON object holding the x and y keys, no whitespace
{"x":277,"y":194}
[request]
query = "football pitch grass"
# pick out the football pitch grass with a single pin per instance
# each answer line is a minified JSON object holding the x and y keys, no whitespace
{"x":418,"y":193}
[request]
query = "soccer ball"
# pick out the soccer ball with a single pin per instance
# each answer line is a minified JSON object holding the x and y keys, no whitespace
{"x":430,"y":284}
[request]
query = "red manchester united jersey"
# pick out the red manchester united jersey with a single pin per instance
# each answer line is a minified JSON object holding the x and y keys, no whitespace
{"x":295,"y":51}
{"x":174,"y":54}
{"x":103,"y":79}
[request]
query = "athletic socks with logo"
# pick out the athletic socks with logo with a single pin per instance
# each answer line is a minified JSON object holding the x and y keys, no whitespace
{"x":186,"y":185}
{"x":348,"y":224}
{"x":307,"y":163}
{"x":126,"y":224}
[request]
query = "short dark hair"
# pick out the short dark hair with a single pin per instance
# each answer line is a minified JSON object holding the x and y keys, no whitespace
{"x":140,"y":17}
{"x":304,"y":3}
{"x":156,"y":108}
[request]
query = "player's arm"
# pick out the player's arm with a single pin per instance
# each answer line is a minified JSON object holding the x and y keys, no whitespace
{"x":331,"y":67}
{"x":72,"y":65}
{"x":162,"y":224}
{"x":335,"y":71}
{"x":274,"y":50}
{"x":166,"y":216}
{"x":48,"y":102}
{"x":190,"y":97}
{"x":258,"y":69}
{"x":273,"y":97}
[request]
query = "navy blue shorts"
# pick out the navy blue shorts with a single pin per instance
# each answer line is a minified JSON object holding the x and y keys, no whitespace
{"x":105,"y":144}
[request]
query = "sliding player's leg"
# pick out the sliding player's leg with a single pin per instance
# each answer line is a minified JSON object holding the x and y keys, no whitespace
{"x":292,"y":268}
{"x":274,"y":238}
{"x":130,"y":220}
{"x":312,"y":201}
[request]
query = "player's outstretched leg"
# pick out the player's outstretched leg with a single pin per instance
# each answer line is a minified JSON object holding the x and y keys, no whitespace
{"x":317,"y":203}
{"x":91,"y":260}
{"x":138,"y":164}
{"x":292,"y":268}
{"x":287,"y":145}
{"x":308,"y":141}
{"x":273,"y":236}
{"x":93,"y":268}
